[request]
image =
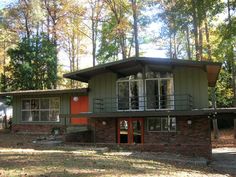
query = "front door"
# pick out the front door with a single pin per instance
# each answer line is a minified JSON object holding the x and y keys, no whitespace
{"x":130,"y":130}
{"x":78,"y":104}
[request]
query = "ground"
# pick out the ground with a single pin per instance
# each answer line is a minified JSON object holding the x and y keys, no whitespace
{"x":20,"y":157}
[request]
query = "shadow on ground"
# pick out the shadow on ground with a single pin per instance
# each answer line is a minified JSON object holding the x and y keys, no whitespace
{"x":224,"y":160}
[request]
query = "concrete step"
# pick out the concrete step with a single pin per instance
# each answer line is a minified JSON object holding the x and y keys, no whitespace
{"x":76,"y":129}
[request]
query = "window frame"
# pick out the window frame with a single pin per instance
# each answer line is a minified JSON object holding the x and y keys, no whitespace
{"x":172,"y":107}
{"x":129,"y":80}
{"x":168,"y":120}
{"x":40,"y":110}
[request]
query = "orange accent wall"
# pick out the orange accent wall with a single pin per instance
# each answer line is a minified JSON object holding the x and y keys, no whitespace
{"x":77,"y":107}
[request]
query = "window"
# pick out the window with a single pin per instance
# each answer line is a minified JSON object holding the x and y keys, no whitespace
{"x":40,"y":110}
{"x":159,"y":91}
{"x":162,"y":124}
{"x":130,"y":93}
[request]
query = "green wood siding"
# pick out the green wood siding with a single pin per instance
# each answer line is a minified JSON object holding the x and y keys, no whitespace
{"x":192,"y":81}
{"x":102,"y":86}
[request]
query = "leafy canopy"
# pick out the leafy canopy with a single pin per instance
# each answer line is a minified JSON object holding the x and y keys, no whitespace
{"x":33,"y":64}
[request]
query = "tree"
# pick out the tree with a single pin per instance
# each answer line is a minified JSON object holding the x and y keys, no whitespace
{"x":135,"y":26}
{"x":96,"y":7}
{"x":119,"y":10}
{"x":109,"y":45}
{"x":8,"y":38}
{"x":32,"y":64}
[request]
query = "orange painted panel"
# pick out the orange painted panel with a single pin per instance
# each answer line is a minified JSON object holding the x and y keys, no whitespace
{"x":77,"y":107}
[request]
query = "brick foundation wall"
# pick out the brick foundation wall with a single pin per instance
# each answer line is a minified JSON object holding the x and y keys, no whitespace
{"x":194,"y":139}
{"x":105,"y":133}
{"x":35,"y":129}
{"x":191,"y":140}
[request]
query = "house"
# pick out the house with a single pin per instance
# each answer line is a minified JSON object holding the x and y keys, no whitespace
{"x":148,"y":104}
{"x":151,"y":104}
{"x":37,"y":111}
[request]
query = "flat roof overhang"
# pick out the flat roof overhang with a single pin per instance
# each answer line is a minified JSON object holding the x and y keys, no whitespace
{"x":136,"y":114}
{"x":133,"y":65}
{"x":82,"y":91}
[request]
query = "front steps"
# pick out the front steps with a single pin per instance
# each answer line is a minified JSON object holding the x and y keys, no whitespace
{"x":78,"y":133}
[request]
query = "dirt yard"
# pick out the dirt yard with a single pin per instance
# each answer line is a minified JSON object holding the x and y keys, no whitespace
{"x":20,"y":157}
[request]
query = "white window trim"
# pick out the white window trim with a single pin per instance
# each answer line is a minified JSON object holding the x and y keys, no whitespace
{"x":172,"y":90}
{"x":39,"y":110}
{"x":117,"y":95}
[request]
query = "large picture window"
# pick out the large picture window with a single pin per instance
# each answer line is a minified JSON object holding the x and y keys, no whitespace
{"x":155,"y":92}
{"x":161,"y":124}
{"x":130,"y":93}
{"x":40,"y":109}
{"x":159,"y":91}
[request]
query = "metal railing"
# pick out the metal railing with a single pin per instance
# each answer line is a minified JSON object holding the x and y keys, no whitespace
{"x":143,"y":103}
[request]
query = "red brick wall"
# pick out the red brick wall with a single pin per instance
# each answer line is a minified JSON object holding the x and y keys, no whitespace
{"x":34,"y":128}
{"x":105,"y":133}
{"x":193,"y":140}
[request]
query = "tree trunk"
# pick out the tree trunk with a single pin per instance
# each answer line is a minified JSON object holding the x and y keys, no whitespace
{"x":135,"y":26}
{"x":4,"y":83}
{"x":26,"y":18}
{"x":215,"y":128}
{"x":208,"y":40}
{"x":175,"y":47}
{"x":188,"y":44}
{"x":195,"y":25}
{"x":214,"y":120}
{"x":232,"y":52}
{"x":234,"y":128}
{"x":93,"y":36}
{"x":123,"y":47}
{"x":200,"y":42}
{"x":170,"y":51}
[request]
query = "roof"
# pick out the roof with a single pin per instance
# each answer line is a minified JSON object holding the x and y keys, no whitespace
{"x":133,"y":65}
{"x":82,"y":91}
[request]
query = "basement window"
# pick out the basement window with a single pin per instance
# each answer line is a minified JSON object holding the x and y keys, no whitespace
{"x":161,"y":124}
{"x":40,"y":109}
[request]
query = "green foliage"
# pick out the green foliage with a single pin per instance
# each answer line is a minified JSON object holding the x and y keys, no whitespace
{"x":224,"y":91}
{"x":109,"y":47}
{"x":32,"y":64}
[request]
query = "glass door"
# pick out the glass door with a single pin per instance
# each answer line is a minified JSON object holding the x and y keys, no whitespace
{"x":130,"y":95}
{"x":130,"y":131}
{"x":123,"y":131}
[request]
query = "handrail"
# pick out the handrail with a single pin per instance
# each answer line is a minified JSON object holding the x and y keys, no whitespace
{"x":143,"y":103}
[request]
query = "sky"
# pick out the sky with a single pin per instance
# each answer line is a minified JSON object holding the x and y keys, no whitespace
{"x":4,"y":3}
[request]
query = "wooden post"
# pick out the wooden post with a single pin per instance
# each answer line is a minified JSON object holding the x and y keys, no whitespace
{"x":234,"y":128}
{"x":215,"y":128}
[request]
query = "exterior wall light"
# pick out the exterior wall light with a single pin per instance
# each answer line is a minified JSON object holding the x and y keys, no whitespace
{"x":139,"y":75}
{"x":75,"y":98}
{"x":189,"y":122}
{"x":104,"y":122}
